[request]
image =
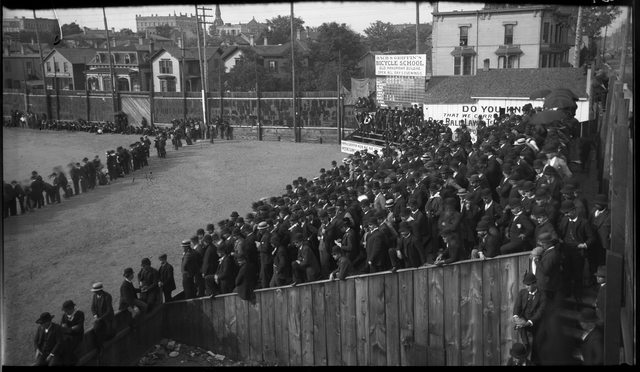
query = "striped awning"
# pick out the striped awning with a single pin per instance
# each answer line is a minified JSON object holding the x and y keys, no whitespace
{"x":463,"y":51}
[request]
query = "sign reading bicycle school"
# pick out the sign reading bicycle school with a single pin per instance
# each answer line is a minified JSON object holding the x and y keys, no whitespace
{"x":401,"y":65}
{"x":350,"y":147}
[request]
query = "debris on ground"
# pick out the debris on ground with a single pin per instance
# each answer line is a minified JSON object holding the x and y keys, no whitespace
{"x":171,"y":353}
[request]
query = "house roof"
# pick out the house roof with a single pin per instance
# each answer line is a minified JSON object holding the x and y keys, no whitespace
{"x":503,"y":83}
{"x":16,"y":51}
{"x":189,"y":53}
{"x":75,"y":55}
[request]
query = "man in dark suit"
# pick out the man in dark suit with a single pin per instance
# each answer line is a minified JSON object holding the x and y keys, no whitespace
{"x":519,"y":231}
{"x":9,"y":200}
{"x":103,"y":315}
{"x":20,"y":195}
{"x":453,"y":248}
{"x":90,"y":171}
{"x":148,"y":279}
{"x":528,"y":313}
{"x":190,"y":267}
{"x":166,"y":281}
{"x":224,"y":276}
{"x":519,"y":356}
{"x":306,"y":268}
{"x":246,"y":278}
{"x":349,"y":241}
{"x":72,"y":323}
{"x":129,"y":299}
{"x":263,"y":245}
{"x":600,"y":220}
{"x":48,"y":342}
{"x":592,"y":345}
{"x":601,"y":278}
{"x":281,"y":264}
{"x":547,"y":268}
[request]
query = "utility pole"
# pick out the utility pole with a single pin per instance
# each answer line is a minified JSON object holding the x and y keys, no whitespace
{"x":202,"y":78}
{"x":113,"y":78}
{"x":293,"y":81}
{"x":44,"y":75}
{"x":417,"y":26}
{"x":204,"y":54}
{"x":576,"y":57}
{"x":183,"y":83}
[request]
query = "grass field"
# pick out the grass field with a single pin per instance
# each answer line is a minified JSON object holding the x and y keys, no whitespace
{"x":56,"y":253}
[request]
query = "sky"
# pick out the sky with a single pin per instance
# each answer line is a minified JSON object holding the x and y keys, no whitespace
{"x":357,"y":15}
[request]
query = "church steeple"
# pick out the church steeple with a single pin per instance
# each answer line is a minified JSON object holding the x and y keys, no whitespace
{"x":218,"y":21}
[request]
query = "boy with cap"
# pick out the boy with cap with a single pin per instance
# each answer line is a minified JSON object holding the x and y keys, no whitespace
{"x":166,"y":280}
{"x":345,"y":268}
{"x":48,"y":341}
{"x":72,"y":323}
{"x":129,"y":299}
{"x":528,"y":312}
{"x":577,"y":236}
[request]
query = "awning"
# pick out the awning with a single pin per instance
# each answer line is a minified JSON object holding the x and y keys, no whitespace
{"x":554,"y":48}
{"x":106,"y":71}
{"x":506,"y":50}
{"x":34,"y":82}
{"x":166,"y":77}
{"x":463,"y":51}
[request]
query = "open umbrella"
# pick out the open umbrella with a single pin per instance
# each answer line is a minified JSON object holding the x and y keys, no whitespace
{"x":547,"y":116}
{"x":559,"y":100}
{"x":567,"y":92}
{"x":541,"y":93}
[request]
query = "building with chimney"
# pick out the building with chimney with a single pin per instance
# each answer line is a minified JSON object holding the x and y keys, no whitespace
{"x":167,"y":66}
{"x":65,"y":68}
{"x":21,"y":65}
{"x":180,"y":22}
{"x":500,"y":36}
{"x":130,"y":64}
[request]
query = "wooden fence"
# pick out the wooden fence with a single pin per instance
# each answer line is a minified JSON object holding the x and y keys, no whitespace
{"x":460,"y":314}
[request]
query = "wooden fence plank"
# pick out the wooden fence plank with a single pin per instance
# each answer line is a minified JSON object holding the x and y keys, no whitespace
{"x":331,"y":326}
{"x":377,"y":322}
{"x":219,"y":330}
{"x":362,"y":321}
{"x":306,"y":324}
{"x":471,"y":336}
{"x":196,"y":317}
{"x":230,"y":340}
{"x":406,"y":299}
{"x":523,"y":267}
{"x":295,"y":334}
{"x":422,"y":300}
{"x":436,"y":307}
{"x":319,"y":309}
{"x":509,"y":290}
{"x":255,"y":328}
{"x":392,"y":313}
{"x":348,"y":323}
{"x":281,"y":324}
{"x":267,"y":306}
{"x":242,"y":321}
{"x":209,"y":333}
{"x":491,"y":311}
{"x":451,"y":282}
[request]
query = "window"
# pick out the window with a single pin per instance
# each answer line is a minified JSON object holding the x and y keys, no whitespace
{"x":57,"y":66}
{"x":48,"y":66}
{"x":545,"y":33}
{"x":273,"y":66}
{"x":559,"y":38}
{"x":7,"y":66}
{"x":508,"y":34}
{"x":167,"y":85}
{"x":98,"y":59}
{"x":543,"y":60}
{"x":464,"y":36}
{"x":462,"y":63}
{"x":166,"y":67}
{"x":29,"y":68}
{"x":65,"y":66}
{"x":508,"y":62}
{"x":127,"y":59}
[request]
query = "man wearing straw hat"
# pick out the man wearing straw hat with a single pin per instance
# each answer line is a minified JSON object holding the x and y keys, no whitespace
{"x":72,"y":323}
{"x":48,"y":341}
{"x":103,"y":315}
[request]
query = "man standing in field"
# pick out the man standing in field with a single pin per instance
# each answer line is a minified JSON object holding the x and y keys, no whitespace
{"x":166,"y":280}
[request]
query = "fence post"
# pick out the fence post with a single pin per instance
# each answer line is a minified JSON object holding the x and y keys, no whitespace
{"x":259,"y":134}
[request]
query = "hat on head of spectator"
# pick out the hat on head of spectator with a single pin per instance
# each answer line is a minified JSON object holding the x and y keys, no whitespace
{"x":404,"y":226}
{"x":210,"y":227}
{"x":336,"y":250}
{"x":405,"y":212}
{"x":588,"y":315}
{"x":67,"y":305}
{"x":447,"y":232}
{"x":207,"y":238}
{"x":529,"y":278}
{"x":461,"y":192}
{"x":520,"y":142}
{"x":474,"y":178}
{"x":373,"y":221}
{"x":507,"y":168}
{"x":515,"y":202}
{"x":601,"y":199}
{"x":602,"y":271}
{"x":451,"y":202}
{"x":145,"y":261}
{"x":186,"y":243}
{"x":469,"y":196}
{"x":297,"y":238}
{"x":195,"y":239}
{"x":234,"y":214}
{"x":485,"y":193}
{"x":515,"y":177}
{"x":568,"y":189}
{"x":128,"y":271}
{"x":545,"y":238}
{"x":541,"y":193}
{"x":567,"y":206}
{"x":539,"y":211}
{"x":389,"y":203}
{"x":550,"y":171}
{"x":528,"y":186}
{"x":44,"y":317}
{"x":518,"y":351}
{"x":294,"y":217}
{"x":163,"y":256}
{"x":537,"y":164}
{"x":96,"y":287}
{"x":482,"y":226}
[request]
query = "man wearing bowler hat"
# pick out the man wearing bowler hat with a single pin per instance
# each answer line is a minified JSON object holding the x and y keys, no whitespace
{"x":129,"y":299}
{"x":577,"y":236}
{"x":103,"y":315}
{"x":592,"y":345}
{"x":190,"y":267}
{"x":148,"y":279}
{"x":166,"y":280}
{"x":453,"y":248}
{"x":547,"y":267}
{"x":72,"y":323}
{"x":306,"y":267}
{"x":518,"y":357}
{"x":528,"y":313}
{"x":48,"y":341}
{"x":489,"y":243}
{"x":600,"y":221}
{"x":601,"y":278}
{"x":519,"y":231}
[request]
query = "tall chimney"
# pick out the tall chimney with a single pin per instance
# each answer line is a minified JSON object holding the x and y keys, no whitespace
{"x":141,"y":41}
{"x":180,"y":42}
{"x":265,"y":40}
{"x":251,"y":41}
{"x":151,"y":46}
{"x":113,"y":42}
{"x":298,"y":34}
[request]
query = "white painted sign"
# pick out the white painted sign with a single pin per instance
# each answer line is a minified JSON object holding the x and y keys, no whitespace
{"x":401,"y":65}
{"x":350,"y":147}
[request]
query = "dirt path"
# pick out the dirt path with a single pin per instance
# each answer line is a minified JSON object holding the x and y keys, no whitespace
{"x":56,"y":253}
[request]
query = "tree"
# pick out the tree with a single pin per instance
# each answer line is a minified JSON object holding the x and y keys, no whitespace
{"x":164,"y":31}
{"x":126,"y":32}
{"x":280,"y":29}
{"x":71,"y":29}
{"x":594,"y":20}
{"x":242,"y":77}
{"x":380,"y":36}
{"x":406,"y":42}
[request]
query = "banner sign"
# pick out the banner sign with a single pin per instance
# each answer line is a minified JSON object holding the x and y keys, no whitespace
{"x":350,"y":147}
{"x":401,"y":65}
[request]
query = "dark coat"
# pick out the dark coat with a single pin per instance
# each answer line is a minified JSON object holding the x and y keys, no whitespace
{"x":534,"y":311}
{"x":103,"y":307}
{"x":191,"y":263}
{"x":165,"y":276}
{"x":128,"y":293}
{"x":548,"y":274}
{"x":592,"y":348}
{"x":49,"y":342}
{"x":246,"y":281}
{"x":225,"y":272}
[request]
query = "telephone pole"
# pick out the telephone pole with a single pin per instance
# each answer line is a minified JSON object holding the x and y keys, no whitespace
{"x":204,"y":22}
{"x":293,"y":81}
{"x":576,"y":57}
{"x":202,"y":78}
{"x":44,"y":75}
{"x":417,"y":26}
{"x":183,"y":85}
{"x":114,"y":84}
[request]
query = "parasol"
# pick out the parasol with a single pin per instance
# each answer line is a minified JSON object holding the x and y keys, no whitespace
{"x":540,"y":93}
{"x":559,"y":101}
{"x":547,"y":116}
{"x":567,"y":92}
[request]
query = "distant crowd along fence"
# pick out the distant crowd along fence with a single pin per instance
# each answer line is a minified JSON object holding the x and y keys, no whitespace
{"x":315,"y":109}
